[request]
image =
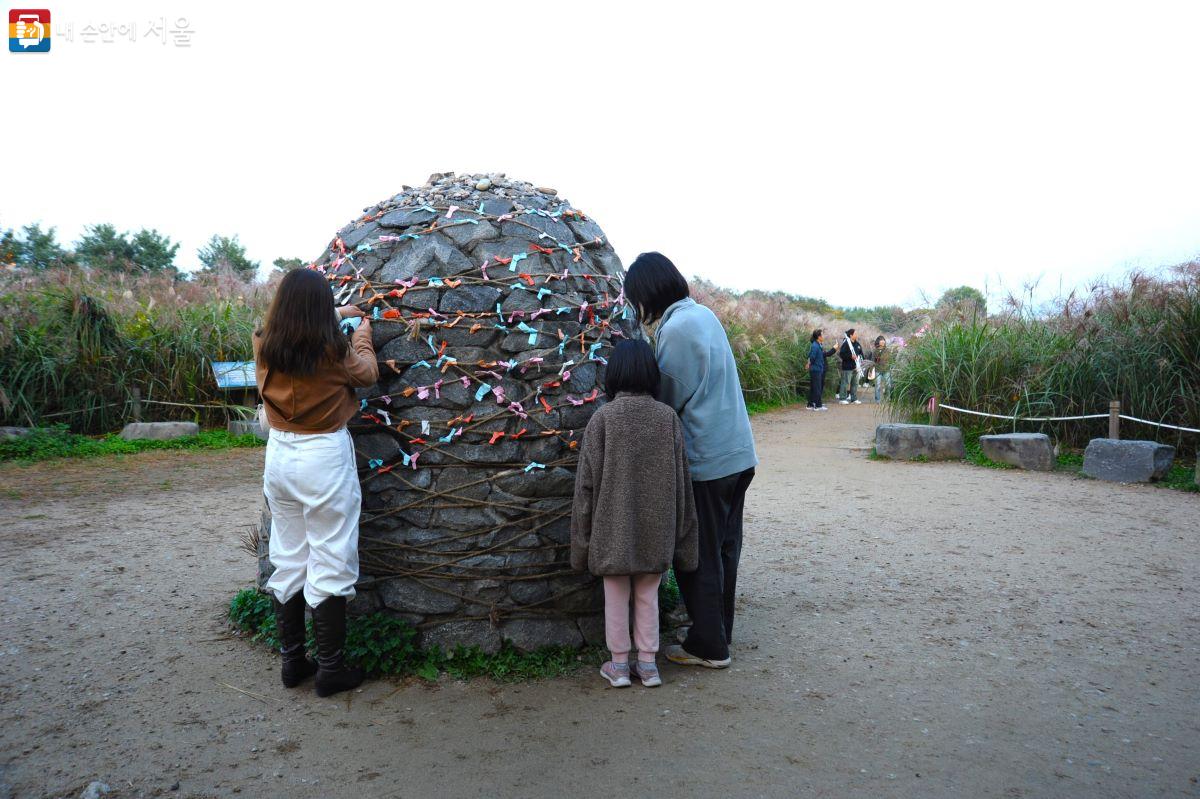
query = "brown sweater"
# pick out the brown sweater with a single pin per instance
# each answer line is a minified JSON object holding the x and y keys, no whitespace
{"x":323,"y":401}
{"x":634,"y":511}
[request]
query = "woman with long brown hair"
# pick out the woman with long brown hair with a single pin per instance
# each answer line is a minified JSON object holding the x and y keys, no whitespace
{"x":307,"y":370}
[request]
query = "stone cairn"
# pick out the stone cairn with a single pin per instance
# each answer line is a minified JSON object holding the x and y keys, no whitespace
{"x":493,"y":305}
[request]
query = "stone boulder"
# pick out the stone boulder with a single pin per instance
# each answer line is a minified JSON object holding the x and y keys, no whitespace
{"x":10,"y":433}
{"x":909,"y":441}
{"x":467,"y":633}
{"x":529,"y":635}
{"x":495,"y":305}
{"x":1031,"y":451}
{"x":1122,"y":461}
{"x":242,"y":427}
{"x":159,"y":431}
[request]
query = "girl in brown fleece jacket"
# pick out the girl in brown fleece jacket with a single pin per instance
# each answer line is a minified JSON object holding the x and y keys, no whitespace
{"x":634,"y":514}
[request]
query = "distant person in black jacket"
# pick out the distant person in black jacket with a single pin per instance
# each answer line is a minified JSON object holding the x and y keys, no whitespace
{"x":849,"y":352}
{"x":816,"y":370}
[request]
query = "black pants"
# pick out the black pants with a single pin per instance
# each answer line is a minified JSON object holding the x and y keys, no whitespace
{"x":708,"y":592}
{"x":816,"y":389}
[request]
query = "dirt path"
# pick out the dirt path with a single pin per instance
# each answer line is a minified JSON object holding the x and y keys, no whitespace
{"x":920,"y":630}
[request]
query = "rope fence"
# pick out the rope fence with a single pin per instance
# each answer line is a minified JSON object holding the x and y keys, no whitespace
{"x":1025,"y":418}
{"x":935,"y":404}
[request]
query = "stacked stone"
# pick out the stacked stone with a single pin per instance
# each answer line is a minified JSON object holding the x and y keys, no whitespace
{"x":494,"y":306}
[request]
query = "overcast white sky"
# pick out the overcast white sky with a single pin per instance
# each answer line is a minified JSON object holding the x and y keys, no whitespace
{"x":861,"y":152}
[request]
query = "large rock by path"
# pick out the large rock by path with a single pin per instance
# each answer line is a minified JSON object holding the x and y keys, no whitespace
{"x":909,"y":441}
{"x":159,"y":431}
{"x":1024,"y":450}
{"x":241,"y":427}
{"x":1127,"y":461}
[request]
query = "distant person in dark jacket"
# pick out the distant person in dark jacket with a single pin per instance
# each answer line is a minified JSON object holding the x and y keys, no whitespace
{"x":882,"y":356}
{"x":850,"y":352}
{"x":816,"y":371}
{"x":634,"y":514}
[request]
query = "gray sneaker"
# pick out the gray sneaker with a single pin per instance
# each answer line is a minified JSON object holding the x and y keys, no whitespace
{"x":647,"y":673}
{"x":617,"y":674}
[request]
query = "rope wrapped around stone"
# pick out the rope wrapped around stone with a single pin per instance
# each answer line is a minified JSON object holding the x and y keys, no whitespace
{"x":491,"y":324}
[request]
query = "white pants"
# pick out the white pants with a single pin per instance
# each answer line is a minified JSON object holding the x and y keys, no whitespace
{"x":313,"y":492}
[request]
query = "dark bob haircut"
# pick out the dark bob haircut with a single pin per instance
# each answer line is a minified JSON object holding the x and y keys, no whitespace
{"x":816,"y":334}
{"x":653,"y":284}
{"x":631,"y":368}
{"x":850,"y":332}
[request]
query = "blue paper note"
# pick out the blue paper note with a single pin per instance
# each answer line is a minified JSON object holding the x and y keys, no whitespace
{"x":533,"y":334}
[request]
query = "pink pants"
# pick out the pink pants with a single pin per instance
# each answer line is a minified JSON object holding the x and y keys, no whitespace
{"x":645,"y":615}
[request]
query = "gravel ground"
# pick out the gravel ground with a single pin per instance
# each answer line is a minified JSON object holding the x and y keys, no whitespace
{"x":920,"y":630}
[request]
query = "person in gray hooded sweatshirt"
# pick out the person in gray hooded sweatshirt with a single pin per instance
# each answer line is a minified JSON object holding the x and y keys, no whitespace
{"x":699,"y":380}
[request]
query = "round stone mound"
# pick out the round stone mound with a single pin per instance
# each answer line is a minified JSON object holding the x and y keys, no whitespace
{"x":493,"y":306}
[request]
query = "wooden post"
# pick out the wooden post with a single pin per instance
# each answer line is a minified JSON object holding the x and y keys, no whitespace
{"x":1114,"y":419}
{"x":934,"y":407}
{"x":137,"y":404}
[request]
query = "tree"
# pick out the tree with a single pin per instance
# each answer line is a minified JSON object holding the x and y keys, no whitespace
{"x":10,"y":248}
{"x":223,"y":253}
{"x":964,"y":298}
{"x":38,"y":249}
{"x":154,"y":252}
{"x":285,"y":265}
{"x":102,"y":247}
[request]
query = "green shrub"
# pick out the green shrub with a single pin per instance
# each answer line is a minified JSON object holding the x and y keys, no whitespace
{"x":74,"y":346}
{"x":668,"y":593}
{"x":1139,"y":343}
{"x":58,"y":442}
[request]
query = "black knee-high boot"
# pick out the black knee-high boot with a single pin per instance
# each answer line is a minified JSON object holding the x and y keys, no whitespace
{"x":329,"y":622}
{"x":289,"y":624}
